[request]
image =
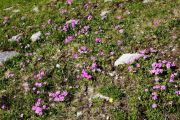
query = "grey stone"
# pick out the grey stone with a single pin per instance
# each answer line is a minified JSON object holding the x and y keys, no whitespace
{"x":4,"y":56}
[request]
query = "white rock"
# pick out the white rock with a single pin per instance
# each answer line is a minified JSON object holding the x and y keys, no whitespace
{"x":127,"y":58}
{"x":79,"y":113}
{"x":36,"y":36}
{"x":104,"y":13}
{"x":4,"y":56}
{"x":57,"y":66}
{"x":15,"y":38}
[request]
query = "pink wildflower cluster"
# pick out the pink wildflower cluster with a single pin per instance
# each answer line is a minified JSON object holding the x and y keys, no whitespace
{"x":68,"y":39}
{"x":158,"y":67}
{"x":163,"y":87}
{"x":83,"y":49}
{"x":173,"y":75}
{"x":93,"y":66}
{"x":154,"y":96}
{"x":40,"y":75}
{"x":147,"y":51}
{"x":38,"y":107}
{"x":85,"y":74}
{"x":57,"y":96}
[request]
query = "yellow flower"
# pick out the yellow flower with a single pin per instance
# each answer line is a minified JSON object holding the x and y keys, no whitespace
{"x":110,"y":100}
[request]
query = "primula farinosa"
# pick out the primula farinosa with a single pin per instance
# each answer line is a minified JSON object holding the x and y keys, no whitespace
{"x":173,"y":75}
{"x":178,"y":92}
{"x":84,"y":30}
{"x":154,"y":106}
{"x":63,"y":11}
{"x":154,"y":96}
{"x":38,"y":107}
{"x":49,"y":21}
{"x":85,"y":74}
{"x":75,"y":56}
{"x":156,"y":87}
{"x":38,"y":84}
{"x":40,"y":75}
{"x":89,"y":17}
{"x":68,"y":39}
{"x":146,"y":90}
{"x":65,"y":27}
{"x":69,"y":2}
{"x":58,"y":96}
{"x":74,"y":23}
{"x":83,"y":49}
{"x":138,"y":65}
{"x":93,"y":66}
{"x":98,"y":40}
{"x":163,"y":87}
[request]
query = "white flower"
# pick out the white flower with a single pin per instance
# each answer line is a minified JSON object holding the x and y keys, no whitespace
{"x":36,"y":36}
{"x":127,"y":58}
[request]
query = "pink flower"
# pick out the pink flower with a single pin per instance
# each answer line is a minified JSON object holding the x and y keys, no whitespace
{"x":138,"y":65}
{"x":156,"y":87}
{"x":84,"y":74}
{"x":49,"y":21}
{"x":146,"y":90}
{"x":178,"y":92}
{"x":68,"y":39}
{"x":38,"y":84}
{"x":154,"y":97}
{"x":98,"y":40}
{"x":37,"y":108}
{"x":154,"y":106}
{"x":89,"y":17}
{"x":163,"y":87}
{"x":69,"y":2}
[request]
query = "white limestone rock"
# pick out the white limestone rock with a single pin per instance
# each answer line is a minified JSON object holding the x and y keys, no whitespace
{"x":36,"y":36}
{"x":4,"y":56}
{"x":127,"y":58}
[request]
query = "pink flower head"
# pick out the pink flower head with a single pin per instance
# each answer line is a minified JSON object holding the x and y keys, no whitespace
{"x":146,"y":90}
{"x":74,"y":23}
{"x":163,"y":87}
{"x":93,"y":66}
{"x":84,"y":74}
{"x":38,"y":84}
{"x":156,"y":87}
{"x":178,"y":92}
{"x":49,"y":21}
{"x":68,"y":39}
{"x":98,"y":40}
{"x":69,"y":2}
{"x":154,"y":106}
{"x":89,"y":17}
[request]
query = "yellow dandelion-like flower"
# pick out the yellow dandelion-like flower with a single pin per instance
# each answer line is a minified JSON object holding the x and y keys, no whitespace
{"x":110,"y":100}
